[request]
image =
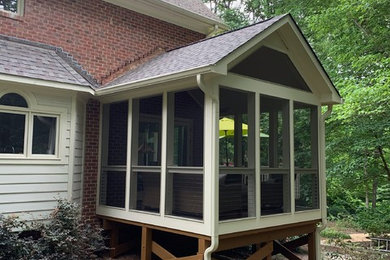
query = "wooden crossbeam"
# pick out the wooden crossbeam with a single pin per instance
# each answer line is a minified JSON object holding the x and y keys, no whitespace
{"x":263,"y":252}
{"x":247,"y":238}
{"x":161,"y":252}
{"x":297,"y":242}
{"x":279,"y":248}
{"x":193,"y":257}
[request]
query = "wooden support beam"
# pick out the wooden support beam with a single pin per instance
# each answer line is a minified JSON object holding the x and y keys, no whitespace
{"x":193,"y":257}
{"x":311,"y":245}
{"x":122,"y":248}
{"x":203,"y":244}
{"x":263,"y":252}
{"x":249,"y":238}
{"x":114,"y":239}
{"x":297,"y":242}
{"x":279,"y":248}
{"x":146,"y":244}
{"x":161,"y":252}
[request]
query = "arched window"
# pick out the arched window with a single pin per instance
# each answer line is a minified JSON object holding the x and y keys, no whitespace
{"x":17,"y":121}
{"x":13,"y":99}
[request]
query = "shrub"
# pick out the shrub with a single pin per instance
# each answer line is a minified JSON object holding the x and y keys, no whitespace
{"x":65,"y":236}
{"x":374,"y":221}
{"x":334,"y":234}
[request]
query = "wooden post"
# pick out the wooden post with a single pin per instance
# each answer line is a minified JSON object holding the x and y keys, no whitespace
{"x":203,"y":244}
{"x":311,"y":245}
{"x":146,"y":246}
{"x":114,"y":239}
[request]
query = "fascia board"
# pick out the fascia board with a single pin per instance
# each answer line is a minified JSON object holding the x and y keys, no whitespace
{"x":336,"y":98}
{"x":171,"y":14}
{"x":45,"y":83}
{"x":156,"y":80}
{"x":240,"y":51}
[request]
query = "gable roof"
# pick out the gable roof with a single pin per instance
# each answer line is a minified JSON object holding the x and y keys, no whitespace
{"x":37,"y":61}
{"x":196,"y":7}
{"x":213,"y":55}
{"x":200,"y":54}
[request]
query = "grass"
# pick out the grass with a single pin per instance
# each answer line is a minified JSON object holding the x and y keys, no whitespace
{"x":334,"y":234}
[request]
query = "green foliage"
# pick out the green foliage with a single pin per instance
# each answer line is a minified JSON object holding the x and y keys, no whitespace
{"x":375,"y":221}
{"x":351,"y":39}
{"x":65,"y":236}
{"x":334,"y":234}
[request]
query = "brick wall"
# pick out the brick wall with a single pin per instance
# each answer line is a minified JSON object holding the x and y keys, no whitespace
{"x":91,"y":159}
{"x":102,"y":37}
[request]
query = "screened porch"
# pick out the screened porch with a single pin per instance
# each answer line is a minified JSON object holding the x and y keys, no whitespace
{"x":267,"y":154}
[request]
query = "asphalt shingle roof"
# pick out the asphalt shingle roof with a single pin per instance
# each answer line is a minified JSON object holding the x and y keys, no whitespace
{"x":200,"y":54}
{"x":194,"y":6}
{"x":38,"y":62}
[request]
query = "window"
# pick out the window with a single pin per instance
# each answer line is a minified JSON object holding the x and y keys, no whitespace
{"x":274,"y":155}
{"x":236,"y":147}
{"x":17,"y":121}
{"x":306,"y":156}
{"x":13,"y":6}
{"x":184,"y":181}
{"x":146,"y":154}
{"x":114,"y":154}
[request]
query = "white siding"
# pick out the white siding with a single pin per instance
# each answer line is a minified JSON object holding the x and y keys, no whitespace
{"x":78,"y":152}
{"x":29,"y":188}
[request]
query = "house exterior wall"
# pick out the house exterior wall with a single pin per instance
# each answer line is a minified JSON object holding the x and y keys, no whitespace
{"x":91,"y":159}
{"x":33,"y":185}
{"x":100,"y":36}
{"x":78,"y":152}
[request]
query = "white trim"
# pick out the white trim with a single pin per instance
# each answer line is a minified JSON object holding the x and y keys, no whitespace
{"x":292,"y":155}
{"x":129,"y":154}
{"x":19,"y":10}
{"x":236,"y":81}
{"x":240,"y":225}
{"x":34,"y":109}
{"x":188,"y":225}
{"x":154,"y":80}
{"x":257,"y":157}
{"x":6,"y":78}
{"x":72,"y":140}
{"x":164,"y":152}
{"x":171,"y":14}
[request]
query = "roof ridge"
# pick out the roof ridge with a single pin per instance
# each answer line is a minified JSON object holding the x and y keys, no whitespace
{"x":228,"y":32}
{"x":65,"y":56}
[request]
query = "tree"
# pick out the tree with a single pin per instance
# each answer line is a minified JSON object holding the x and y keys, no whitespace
{"x":351,"y":39}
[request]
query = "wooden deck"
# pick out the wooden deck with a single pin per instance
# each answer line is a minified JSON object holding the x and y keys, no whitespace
{"x":267,"y":241}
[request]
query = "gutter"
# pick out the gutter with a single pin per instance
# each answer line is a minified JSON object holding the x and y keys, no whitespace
{"x":113,"y":89}
{"x":324,"y":219}
{"x":214,"y":182}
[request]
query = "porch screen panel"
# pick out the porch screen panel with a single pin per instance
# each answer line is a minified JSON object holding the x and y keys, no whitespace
{"x":306,"y":156}
{"x":274,"y":156}
{"x":114,"y":154}
{"x":146,"y":154}
{"x":184,"y":196}
{"x":236,"y":155}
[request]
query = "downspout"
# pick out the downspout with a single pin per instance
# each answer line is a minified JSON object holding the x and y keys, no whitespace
{"x":214,"y":216}
{"x":324,"y":219}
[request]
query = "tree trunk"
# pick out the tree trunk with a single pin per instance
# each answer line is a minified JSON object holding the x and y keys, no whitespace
{"x":385,"y":165}
{"x":366,"y":185}
{"x":374,"y":191}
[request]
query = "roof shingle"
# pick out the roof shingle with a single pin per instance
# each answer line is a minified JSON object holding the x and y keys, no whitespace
{"x":39,"y":62}
{"x":200,"y":54}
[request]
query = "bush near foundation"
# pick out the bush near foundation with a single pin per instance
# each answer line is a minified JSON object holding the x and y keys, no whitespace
{"x":65,"y":236}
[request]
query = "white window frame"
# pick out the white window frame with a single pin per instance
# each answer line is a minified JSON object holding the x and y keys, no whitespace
{"x":30,"y":112}
{"x":19,"y":9}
